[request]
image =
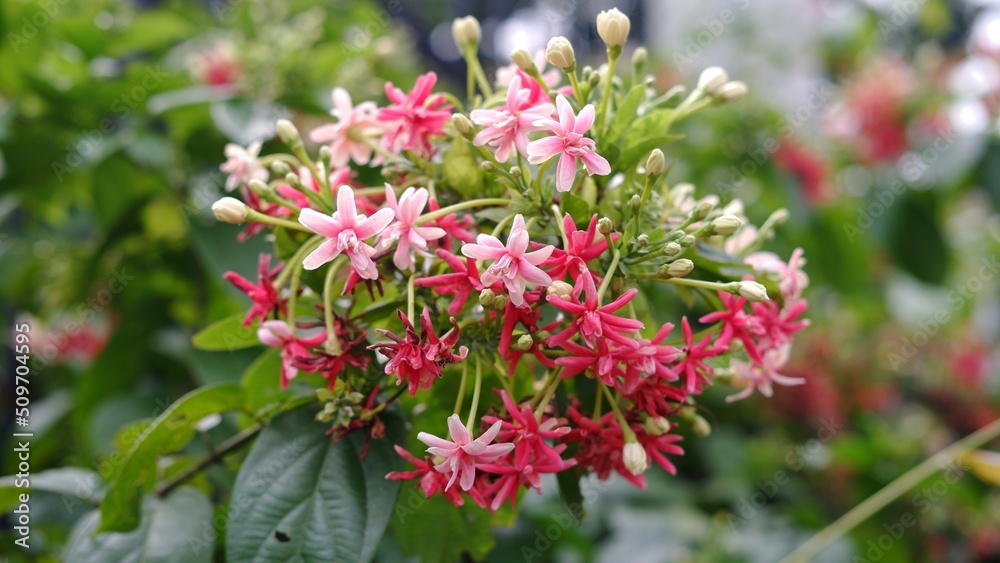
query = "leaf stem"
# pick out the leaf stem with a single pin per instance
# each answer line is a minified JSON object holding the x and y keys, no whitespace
{"x":475,"y":394}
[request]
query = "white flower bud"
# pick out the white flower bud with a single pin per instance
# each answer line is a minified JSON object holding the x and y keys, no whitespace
{"x":230,"y":210}
{"x":726,"y":224}
{"x":523,"y":59}
{"x":462,"y":125}
{"x":559,"y":53}
{"x":634,"y":457}
{"x":525,"y":342}
{"x":605,"y":226}
{"x":753,"y":291}
{"x":655,"y":162}
{"x":712,"y":78}
{"x":639,"y":58}
{"x":486,"y":297}
{"x":702,"y":210}
{"x":680,"y":268}
{"x":287,"y":132}
{"x":656,"y":426}
{"x":731,"y":91}
{"x":688,"y":241}
{"x":642,"y":239}
{"x":613,"y":27}
{"x":672,"y":249}
{"x":466,"y":31}
{"x":560,"y":289}
{"x":700,"y":426}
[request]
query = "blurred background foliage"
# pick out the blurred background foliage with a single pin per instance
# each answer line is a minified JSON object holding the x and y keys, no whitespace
{"x":874,"y":123}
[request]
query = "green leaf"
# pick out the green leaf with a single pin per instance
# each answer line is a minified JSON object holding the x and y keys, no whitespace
{"x":176,"y":529}
{"x":572,"y":496}
{"x":916,"y":241}
{"x":260,"y":382}
{"x":439,"y":532}
{"x":625,"y":114}
{"x":79,"y":483}
{"x":577,"y":208}
{"x":226,"y":335}
{"x":171,"y":431}
{"x":301,"y":497}
{"x":461,"y":170}
{"x":645,"y":134}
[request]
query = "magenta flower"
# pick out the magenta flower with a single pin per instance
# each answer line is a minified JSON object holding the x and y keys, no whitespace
{"x":347,"y":231}
{"x":242,"y":165}
{"x":761,"y":376}
{"x":569,"y":143}
{"x":507,"y":128}
{"x":592,"y":320}
{"x":463,"y":453}
{"x":294,"y":350}
{"x":347,"y":136}
{"x":418,"y":360}
{"x":511,"y":263}
{"x":413,"y":118}
{"x":266,"y":298}
{"x":404,"y":230}
{"x":692,"y":366}
{"x":460,"y":284}
{"x":583,"y":247}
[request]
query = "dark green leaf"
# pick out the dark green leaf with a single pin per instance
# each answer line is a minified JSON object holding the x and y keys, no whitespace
{"x":176,"y":529}
{"x":226,"y":335}
{"x":577,"y":208}
{"x":647,"y":133}
{"x":168,"y":433}
{"x":76,"y":482}
{"x":439,"y":532}
{"x":301,"y":497}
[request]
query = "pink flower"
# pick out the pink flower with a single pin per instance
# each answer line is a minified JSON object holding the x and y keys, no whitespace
{"x":593,"y":321}
{"x":294,"y":350}
{"x":347,"y":136}
{"x":569,"y":142}
{"x":404,"y":230}
{"x":761,"y":376}
{"x":242,"y":165}
{"x":511,"y":264}
{"x":431,"y":481}
{"x":791,"y":279}
{"x":507,"y":128}
{"x":463,"y":453}
{"x":413,"y":118}
{"x":459,"y":284}
{"x":418,"y":360}
{"x":736,"y":323}
{"x":266,"y":298}
{"x":347,"y":231}
{"x":692,"y":365}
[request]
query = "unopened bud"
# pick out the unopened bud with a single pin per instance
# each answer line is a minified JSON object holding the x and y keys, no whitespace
{"x":525,"y":342}
{"x":654,"y":164}
{"x":462,"y":125}
{"x":634,"y":457}
{"x":230,"y":210}
{"x":687,"y":241}
{"x":680,"y":268}
{"x":280,"y":168}
{"x":634,"y":201}
{"x":672,"y":249}
{"x":487,"y":166}
{"x":466,"y":32}
{"x":258,"y":186}
{"x":324,"y":153}
{"x":523,"y":59}
{"x":656,"y":426}
{"x":559,"y":53}
{"x":288,"y":133}
{"x":594,"y":79}
{"x":731,"y":91}
{"x":779,"y":216}
{"x":613,"y":27}
{"x":486,"y":297}
{"x":642,"y":239}
{"x":753,"y":291}
{"x":726,"y":224}
{"x":515,"y":171}
{"x":292,"y":179}
{"x":500,"y":302}
{"x":605,"y":226}
{"x":639,"y":58}
{"x":702,"y":210}
{"x":700,"y":426}
{"x":712,"y":78}
{"x":560,"y":289}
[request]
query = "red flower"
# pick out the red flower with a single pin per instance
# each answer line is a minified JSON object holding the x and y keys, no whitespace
{"x":266,"y":298}
{"x":412,"y":118}
{"x":459,"y":284}
{"x":583,"y":247}
{"x":419,"y":360}
{"x":294,"y":350}
{"x":692,"y":366}
{"x":736,"y":323}
{"x":592,"y":321}
{"x":456,"y":227}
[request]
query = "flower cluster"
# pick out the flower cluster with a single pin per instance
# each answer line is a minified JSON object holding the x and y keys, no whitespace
{"x":594,"y":281}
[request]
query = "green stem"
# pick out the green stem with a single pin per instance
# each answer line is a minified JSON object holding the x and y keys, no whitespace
{"x":626,"y":430}
{"x":475,"y":394}
{"x":258,"y":217}
{"x":296,"y":274}
{"x":461,"y":388}
{"x":607,"y":276}
{"x":613,"y":53}
{"x":577,"y":91}
{"x":547,"y":390}
{"x":332,"y":342}
{"x":559,"y":223}
{"x":296,"y":258}
{"x":891,"y":492}
{"x":459,"y":207}
{"x":409,"y":297}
